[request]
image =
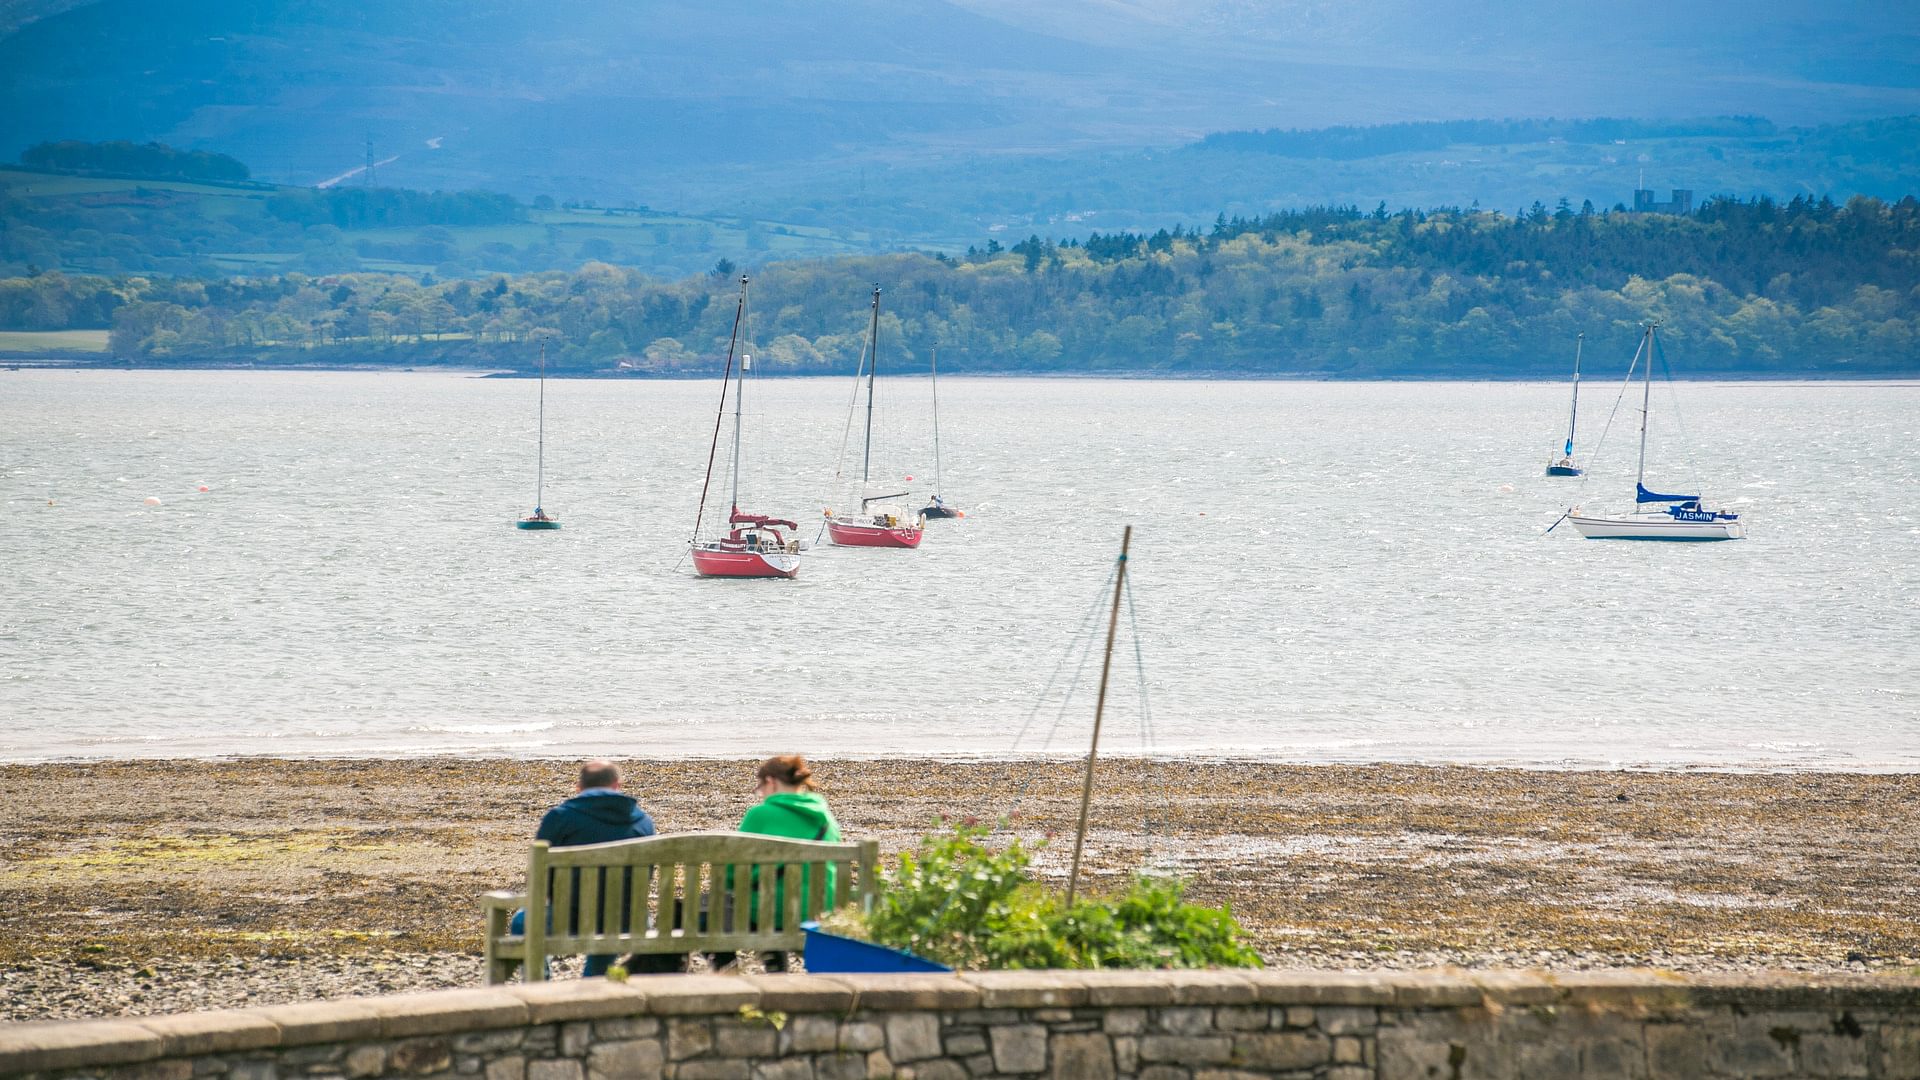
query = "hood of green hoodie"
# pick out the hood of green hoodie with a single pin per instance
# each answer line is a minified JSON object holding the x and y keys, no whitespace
{"x":809,"y":803}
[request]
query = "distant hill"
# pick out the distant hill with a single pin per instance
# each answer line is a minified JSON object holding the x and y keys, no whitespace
{"x":645,"y":100}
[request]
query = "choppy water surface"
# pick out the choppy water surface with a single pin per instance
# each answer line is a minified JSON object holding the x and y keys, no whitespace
{"x":1321,"y":572}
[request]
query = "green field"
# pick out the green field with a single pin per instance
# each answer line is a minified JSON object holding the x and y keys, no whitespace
{"x":53,"y":341}
{"x":97,"y":231}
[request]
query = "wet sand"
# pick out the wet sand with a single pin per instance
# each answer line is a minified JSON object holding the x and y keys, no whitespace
{"x":155,"y":886}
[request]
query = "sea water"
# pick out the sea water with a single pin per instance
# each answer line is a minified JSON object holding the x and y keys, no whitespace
{"x":1320,"y":572}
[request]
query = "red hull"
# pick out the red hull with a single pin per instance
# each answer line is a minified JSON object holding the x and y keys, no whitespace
{"x":708,"y":562}
{"x":850,"y":535}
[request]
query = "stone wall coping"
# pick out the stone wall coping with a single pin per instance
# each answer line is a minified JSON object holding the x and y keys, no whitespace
{"x":49,"y":1046}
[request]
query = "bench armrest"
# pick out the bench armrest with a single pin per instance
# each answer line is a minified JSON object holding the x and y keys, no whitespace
{"x":499,"y":898}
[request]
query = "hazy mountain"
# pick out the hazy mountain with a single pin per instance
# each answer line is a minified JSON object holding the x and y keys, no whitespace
{"x":632,"y":99}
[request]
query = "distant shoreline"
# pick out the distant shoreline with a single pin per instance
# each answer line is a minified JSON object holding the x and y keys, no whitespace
{"x":49,"y":363}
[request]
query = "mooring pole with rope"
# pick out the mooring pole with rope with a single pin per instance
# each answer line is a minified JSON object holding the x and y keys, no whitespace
{"x":1099,"y":706}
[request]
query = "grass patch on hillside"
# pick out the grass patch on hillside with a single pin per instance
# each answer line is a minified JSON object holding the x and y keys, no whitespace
{"x":88,"y":341}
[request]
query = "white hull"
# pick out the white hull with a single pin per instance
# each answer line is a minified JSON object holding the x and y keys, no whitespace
{"x":1655,"y":527}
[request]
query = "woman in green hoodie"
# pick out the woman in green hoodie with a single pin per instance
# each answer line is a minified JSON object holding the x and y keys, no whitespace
{"x":790,"y":807}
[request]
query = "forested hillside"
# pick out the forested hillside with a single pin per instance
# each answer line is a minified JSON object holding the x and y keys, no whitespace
{"x":1804,"y":287}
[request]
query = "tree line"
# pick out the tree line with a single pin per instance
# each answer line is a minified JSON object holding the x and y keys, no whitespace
{"x":1346,"y":143}
{"x":1754,"y":286}
{"x":154,"y":161}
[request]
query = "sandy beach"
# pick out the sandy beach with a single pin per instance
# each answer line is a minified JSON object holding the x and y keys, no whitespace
{"x":158,"y":886}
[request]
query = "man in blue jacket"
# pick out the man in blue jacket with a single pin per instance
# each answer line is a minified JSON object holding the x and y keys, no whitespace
{"x":598,"y":813}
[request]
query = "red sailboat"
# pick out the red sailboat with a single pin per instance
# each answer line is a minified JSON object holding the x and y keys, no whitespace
{"x":753,"y":545}
{"x":878,"y":521}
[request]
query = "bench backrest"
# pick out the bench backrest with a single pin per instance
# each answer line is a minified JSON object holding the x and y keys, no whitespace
{"x":689,"y":892}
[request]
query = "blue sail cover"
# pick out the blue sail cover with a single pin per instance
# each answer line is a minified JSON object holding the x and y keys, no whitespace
{"x":1642,"y":495}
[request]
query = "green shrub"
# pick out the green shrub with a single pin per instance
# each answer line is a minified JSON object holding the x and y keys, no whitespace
{"x":963,"y":904}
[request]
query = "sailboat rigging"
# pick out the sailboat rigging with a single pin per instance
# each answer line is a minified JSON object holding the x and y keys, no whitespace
{"x":540,"y":519}
{"x":1686,"y":518}
{"x":1565,"y":466}
{"x":937,"y":507}
{"x":878,"y":522}
{"x":752,"y":545}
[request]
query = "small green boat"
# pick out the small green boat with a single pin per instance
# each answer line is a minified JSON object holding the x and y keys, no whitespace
{"x":539,"y":519}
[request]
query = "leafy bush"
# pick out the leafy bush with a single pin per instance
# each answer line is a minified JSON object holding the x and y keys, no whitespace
{"x":956,"y":901}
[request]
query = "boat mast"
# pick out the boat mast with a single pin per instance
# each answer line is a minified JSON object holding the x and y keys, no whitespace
{"x":1099,"y":707}
{"x":934,"y":373}
{"x":726,"y":376}
{"x":873,"y":346}
{"x":1574,"y":414}
{"x":739,"y":392}
{"x":1646,"y":399}
{"x":540,"y":471}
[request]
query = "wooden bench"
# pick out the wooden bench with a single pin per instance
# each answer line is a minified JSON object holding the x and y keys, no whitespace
{"x":690,"y":892}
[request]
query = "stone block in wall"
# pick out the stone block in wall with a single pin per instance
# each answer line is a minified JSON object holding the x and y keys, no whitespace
{"x":941,"y":1069}
{"x":555,"y":1069}
{"x":1165,"y":1072}
{"x":1183,"y":1021}
{"x":840,"y":1065}
{"x":1899,"y":1050}
{"x":699,"y":995}
{"x":628,"y":1059}
{"x":1347,"y":1050}
{"x":1622,"y":1056}
{"x":1124,"y":1021}
{"x":862,"y":1036}
{"x":254,"y":1069}
{"x":1350,"y":1072}
{"x":1187,"y":1049}
{"x":578,"y":999}
{"x":902,"y":992}
{"x":1281,"y":1050}
{"x":802,"y":993}
{"x":1028,"y":989}
{"x":166,"y":1069}
{"x":1019,"y":1048}
{"x":1750,"y":1052}
{"x":371,"y":1060}
{"x":1344,"y":1020}
{"x":965,"y":1044}
{"x":713,"y":1069}
{"x":420,"y":1056}
{"x":302,"y":1056}
{"x":466,"y":1064}
{"x":1675,"y":1050}
{"x":446,"y":1012}
{"x":195,"y":1034}
{"x":511,"y":1067}
{"x":1244,"y":1017}
{"x":575,"y":1036}
{"x":626,"y":1027}
{"x":744,"y":1038}
{"x":784,"y":1069}
{"x":489,"y":1042}
{"x":1837,"y":1055}
{"x":688,"y":1038}
{"x":1320,"y":987}
{"x":1126,"y":1053}
{"x":1228,"y":1074}
{"x":1081,"y":1057}
{"x":913,"y":1037}
{"x":806,"y":1034}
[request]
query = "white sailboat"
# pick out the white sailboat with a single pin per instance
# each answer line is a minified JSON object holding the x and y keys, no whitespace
{"x":1671,"y":517}
{"x":540,"y":519}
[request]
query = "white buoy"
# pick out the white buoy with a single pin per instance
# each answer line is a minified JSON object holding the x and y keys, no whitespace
{"x":1506,"y":489}
{"x":153,"y":500}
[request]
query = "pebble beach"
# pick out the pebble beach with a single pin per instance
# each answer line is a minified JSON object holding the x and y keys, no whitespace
{"x":139,"y":887}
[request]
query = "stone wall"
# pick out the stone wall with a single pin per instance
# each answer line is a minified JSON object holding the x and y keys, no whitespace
{"x":1098,"y":1025}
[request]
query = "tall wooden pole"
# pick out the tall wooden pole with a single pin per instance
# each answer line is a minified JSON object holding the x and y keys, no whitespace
{"x":1099,"y":707}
